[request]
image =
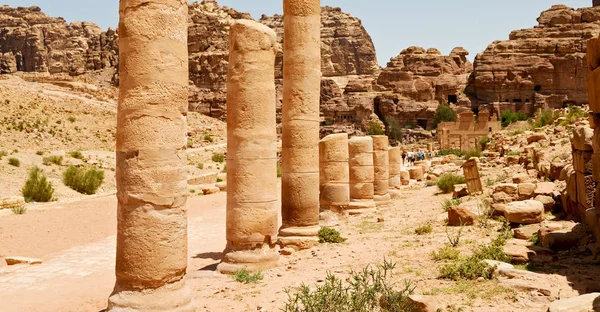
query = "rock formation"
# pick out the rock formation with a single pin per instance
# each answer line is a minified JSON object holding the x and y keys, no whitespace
{"x":151,"y":178}
{"x":252,"y":211}
{"x":32,"y":41}
{"x":300,"y":124}
{"x":544,"y":66}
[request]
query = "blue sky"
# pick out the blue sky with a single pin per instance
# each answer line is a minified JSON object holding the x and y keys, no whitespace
{"x":393,"y":24}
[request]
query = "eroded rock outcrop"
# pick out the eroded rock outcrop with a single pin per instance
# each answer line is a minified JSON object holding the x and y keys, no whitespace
{"x":543,"y":66}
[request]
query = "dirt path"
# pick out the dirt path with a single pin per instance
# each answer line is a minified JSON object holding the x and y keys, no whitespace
{"x":77,"y":244}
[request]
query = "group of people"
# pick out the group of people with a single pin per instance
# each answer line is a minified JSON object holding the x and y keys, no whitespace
{"x":410,"y":157}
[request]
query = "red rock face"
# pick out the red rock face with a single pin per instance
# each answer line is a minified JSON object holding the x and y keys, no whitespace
{"x":544,"y":66}
{"x":34,"y":42}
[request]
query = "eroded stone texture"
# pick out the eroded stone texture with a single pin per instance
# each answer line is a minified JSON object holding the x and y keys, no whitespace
{"x":381,"y":165}
{"x":362,"y":175}
{"x":151,"y":258}
{"x":395,"y":155}
{"x":334,"y":172}
{"x":252,"y":212}
{"x":544,"y":66}
{"x":300,"y":123}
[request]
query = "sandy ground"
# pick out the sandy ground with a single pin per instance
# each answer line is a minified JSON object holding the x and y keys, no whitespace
{"x":51,"y":232}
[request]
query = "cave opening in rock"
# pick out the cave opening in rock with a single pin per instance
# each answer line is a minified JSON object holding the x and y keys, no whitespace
{"x":377,"y":110}
{"x":537,"y":88}
{"x":422,"y":123}
{"x":517,"y":100}
{"x":452,"y":99}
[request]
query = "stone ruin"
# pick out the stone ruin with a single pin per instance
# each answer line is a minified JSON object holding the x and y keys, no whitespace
{"x":465,"y":133}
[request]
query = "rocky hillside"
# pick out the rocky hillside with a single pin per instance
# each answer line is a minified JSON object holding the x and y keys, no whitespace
{"x":539,"y":66}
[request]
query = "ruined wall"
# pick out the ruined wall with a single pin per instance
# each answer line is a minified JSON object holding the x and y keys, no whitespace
{"x":540,"y":67}
{"x":465,"y":133}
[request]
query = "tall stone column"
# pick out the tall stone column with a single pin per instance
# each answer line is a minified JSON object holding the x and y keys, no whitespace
{"x":381,"y":162}
{"x":395,"y":156}
{"x":300,"y":123}
{"x":362,"y":175}
{"x":252,"y":212}
{"x":151,"y":178}
{"x":334,"y":172}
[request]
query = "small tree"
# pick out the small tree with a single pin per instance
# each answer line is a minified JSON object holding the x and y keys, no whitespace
{"x":394,"y":129}
{"x":444,"y":113}
{"x":37,"y":188}
{"x":483,"y":142}
{"x":375,"y":127}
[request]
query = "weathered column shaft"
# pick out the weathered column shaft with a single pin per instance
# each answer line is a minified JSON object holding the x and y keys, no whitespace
{"x":381,"y":163}
{"x":334,"y":172}
{"x":252,"y":212}
{"x":362,"y":175}
{"x":395,"y":156}
{"x":300,"y":123}
{"x":151,"y":178}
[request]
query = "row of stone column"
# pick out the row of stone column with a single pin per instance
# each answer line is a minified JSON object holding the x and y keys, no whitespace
{"x":357,"y":174}
{"x":151,"y":179}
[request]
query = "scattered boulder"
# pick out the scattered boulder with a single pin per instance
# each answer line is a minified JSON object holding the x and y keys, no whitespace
{"x":22,"y":260}
{"x":209,"y":189}
{"x":460,"y":190}
{"x":587,"y":302}
{"x":535,"y":137}
{"x":547,"y":201}
{"x":544,"y":188}
{"x":526,"y":191}
{"x":222,"y":186}
{"x":458,"y":216}
{"x":524,"y":285}
{"x":526,"y":232}
{"x":564,"y":238}
{"x":521,"y":178}
{"x":524,"y":212}
{"x":422,"y":303}
{"x":416,"y":173}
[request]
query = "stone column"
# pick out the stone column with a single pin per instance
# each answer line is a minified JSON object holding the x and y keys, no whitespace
{"x":151,"y":259}
{"x":362,"y":175}
{"x":395,"y":155}
{"x":252,"y":211}
{"x":300,"y":123}
{"x":381,"y":163}
{"x":334,"y":172}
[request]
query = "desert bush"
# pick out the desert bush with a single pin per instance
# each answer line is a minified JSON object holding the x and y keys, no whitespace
{"x":374,"y":127}
{"x":71,"y":119}
{"x":208,"y":138}
{"x":444,"y":113}
{"x":218,"y":157}
{"x":515,"y":133}
{"x":54,"y":159}
{"x":446,"y":182}
{"x":76,"y":154}
{"x":3,"y":153}
{"x":394,"y":128}
{"x":451,"y":202}
{"x":329,"y":235}
{"x":514,"y":153}
{"x":19,"y":210}
{"x":39,"y":153}
{"x":14,"y":162}
{"x":368,"y":290}
{"x":483,"y":142}
{"x":574,"y":114}
{"x":424,"y":229}
{"x":509,"y":117}
{"x":473,"y":153}
{"x":451,"y":151}
{"x":243,"y":276}
{"x":547,"y":117}
{"x":454,"y":237}
{"x":200,"y":166}
{"x":37,"y":188}
{"x":85,"y":180}
{"x":445,"y":253}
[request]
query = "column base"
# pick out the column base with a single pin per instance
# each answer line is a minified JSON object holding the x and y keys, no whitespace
{"x":171,"y":297}
{"x":395,"y":194}
{"x":253,"y":260}
{"x":299,"y":238}
{"x":383,"y":200}
{"x":362,"y":206}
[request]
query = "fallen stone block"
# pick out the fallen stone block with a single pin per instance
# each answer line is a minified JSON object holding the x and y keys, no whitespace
{"x":22,"y":260}
{"x":524,"y":212}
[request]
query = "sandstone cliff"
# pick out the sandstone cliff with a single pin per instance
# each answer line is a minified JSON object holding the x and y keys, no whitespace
{"x":538,"y":67}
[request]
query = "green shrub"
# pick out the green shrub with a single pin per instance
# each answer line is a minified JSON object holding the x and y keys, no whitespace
{"x":76,"y":154}
{"x":208,"y":138}
{"x":535,"y":239}
{"x":444,"y":113}
{"x":394,"y":129}
{"x":71,"y":119}
{"x":473,"y":153}
{"x":329,"y":235}
{"x":574,"y":114}
{"x":39,"y":153}
{"x":200,"y":166}
{"x":515,"y":133}
{"x":483,"y":142}
{"x":446,"y":182}
{"x":451,"y":151}
{"x":54,"y":159}
{"x":547,"y":117}
{"x":219,"y":180}
{"x":243,"y":276}
{"x":446,"y":253}
{"x":364,"y":291}
{"x":451,"y":202}
{"x":19,"y":210}
{"x":37,"y":188}
{"x":218,"y":157}
{"x":514,"y":153}
{"x":14,"y":162}
{"x":374,"y":127}
{"x":85,"y":180}
{"x":3,"y":153}
{"x":424,"y":229}
{"x":509,"y":117}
